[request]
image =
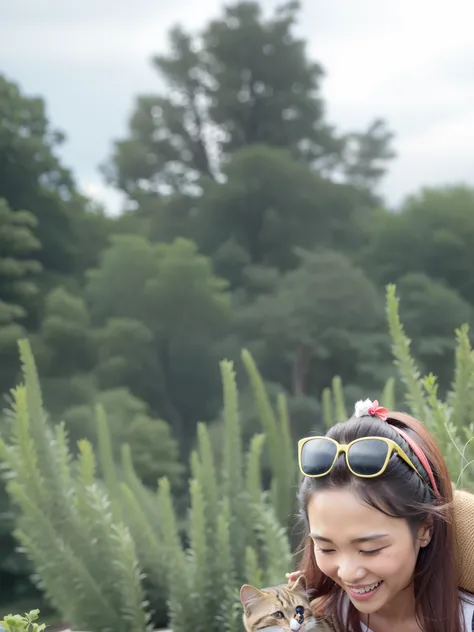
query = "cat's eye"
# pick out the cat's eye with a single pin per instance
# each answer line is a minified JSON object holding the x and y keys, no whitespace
{"x":299,"y":610}
{"x":279,"y":615}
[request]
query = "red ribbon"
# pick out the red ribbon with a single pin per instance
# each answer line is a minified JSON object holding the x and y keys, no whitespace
{"x":378,"y":411}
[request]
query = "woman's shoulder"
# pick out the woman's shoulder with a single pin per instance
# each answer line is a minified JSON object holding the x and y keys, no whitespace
{"x":467,"y":606}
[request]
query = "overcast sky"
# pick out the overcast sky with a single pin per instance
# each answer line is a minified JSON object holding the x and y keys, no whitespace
{"x":409,"y":61}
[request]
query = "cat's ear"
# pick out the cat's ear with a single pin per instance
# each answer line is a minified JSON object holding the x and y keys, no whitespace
{"x":248,"y":594}
{"x":300,"y":584}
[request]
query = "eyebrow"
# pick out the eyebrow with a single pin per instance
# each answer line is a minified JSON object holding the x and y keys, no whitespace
{"x":365,"y":538}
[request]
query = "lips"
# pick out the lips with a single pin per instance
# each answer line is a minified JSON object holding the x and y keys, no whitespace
{"x":364,"y":592}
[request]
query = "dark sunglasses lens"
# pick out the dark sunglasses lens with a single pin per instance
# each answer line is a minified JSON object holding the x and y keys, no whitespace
{"x":317,"y":456}
{"x":367,"y":457}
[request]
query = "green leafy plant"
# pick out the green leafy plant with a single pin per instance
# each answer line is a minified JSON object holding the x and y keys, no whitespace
{"x":233,"y":529}
{"x":85,"y":558}
{"x":141,"y":557}
{"x":26,"y":623}
{"x":236,"y":526}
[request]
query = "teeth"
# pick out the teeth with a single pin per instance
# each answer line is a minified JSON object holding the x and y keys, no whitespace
{"x":366,"y":588}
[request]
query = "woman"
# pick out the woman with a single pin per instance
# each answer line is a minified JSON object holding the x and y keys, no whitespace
{"x":380,"y":551}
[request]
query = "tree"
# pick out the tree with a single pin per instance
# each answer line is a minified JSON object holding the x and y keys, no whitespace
{"x":66,"y":352}
{"x":19,"y":270}
{"x":431,"y":312}
{"x":271,"y":204}
{"x":70,"y":228}
{"x":367,"y":154}
{"x":161,"y":311}
{"x":246,"y":81}
{"x":154,"y":451}
{"x":32,"y":178}
{"x":432,"y":234}
{"x":66,"y":334}
{"x":322,"y":318}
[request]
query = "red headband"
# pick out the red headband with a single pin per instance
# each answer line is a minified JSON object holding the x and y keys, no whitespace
{"x":382,"y":413}
{"x":420,"y":454}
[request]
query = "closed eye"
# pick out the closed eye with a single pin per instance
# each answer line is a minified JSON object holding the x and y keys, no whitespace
{"x":373,"y":551}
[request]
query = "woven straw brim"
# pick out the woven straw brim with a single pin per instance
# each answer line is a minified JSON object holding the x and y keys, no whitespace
{"x":463,"y":514}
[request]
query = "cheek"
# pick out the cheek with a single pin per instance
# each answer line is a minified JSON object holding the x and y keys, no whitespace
{"x":401,"y":561}
{"x":327,"y":564}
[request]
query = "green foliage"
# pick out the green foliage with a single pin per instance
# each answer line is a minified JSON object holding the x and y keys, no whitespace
{"x":447,"y":421}
{"x":155,"y":451}
{"x":101,"y":587}
{"x":269,"y":205}
{"x":235,"y":531}
{"x":17,"y":267}
{"x":443,"y":213}
{"x":18,"y":283}
{"x":161,"y":308}
{"x":232,"y":529}
{"x":368,"y":153}
{"x":276,"y":428}
{"x":26,"y":623}
{"x":33,"y":179}
{"x":66,"y":335}
{"x":220,"y":83}
{"x":431,"y":311}
{"x":63,"y":508}
{"x":304,"y":324}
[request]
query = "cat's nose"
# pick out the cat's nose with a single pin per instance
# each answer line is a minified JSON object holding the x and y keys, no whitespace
{"x":294,"y":625}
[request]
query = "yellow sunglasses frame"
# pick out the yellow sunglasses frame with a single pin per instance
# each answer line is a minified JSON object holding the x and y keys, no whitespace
{"x":392,"y":447}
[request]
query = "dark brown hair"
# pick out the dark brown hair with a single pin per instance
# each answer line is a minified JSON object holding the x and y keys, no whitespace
{"x":400,"y":493}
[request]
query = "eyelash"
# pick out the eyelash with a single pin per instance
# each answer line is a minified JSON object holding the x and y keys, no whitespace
{"x":373,"y":552}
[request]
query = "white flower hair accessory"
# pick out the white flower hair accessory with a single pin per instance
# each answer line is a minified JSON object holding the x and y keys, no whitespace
{"x":368,"y":407}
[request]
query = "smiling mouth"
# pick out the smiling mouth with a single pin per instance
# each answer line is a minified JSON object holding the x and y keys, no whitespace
{"x":364,"y":589}
{"x":364,"y":592}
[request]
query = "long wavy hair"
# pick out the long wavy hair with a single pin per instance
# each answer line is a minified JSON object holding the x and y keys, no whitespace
{"x":399,"y":493}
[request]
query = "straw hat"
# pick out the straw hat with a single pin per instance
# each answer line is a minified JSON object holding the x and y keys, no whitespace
{"x":463,"y":515}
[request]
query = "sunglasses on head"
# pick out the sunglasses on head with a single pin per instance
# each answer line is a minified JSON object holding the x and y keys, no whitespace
{"x":366,"y":457}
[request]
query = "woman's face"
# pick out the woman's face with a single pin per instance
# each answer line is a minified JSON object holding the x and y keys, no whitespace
{"x":370,"y":555}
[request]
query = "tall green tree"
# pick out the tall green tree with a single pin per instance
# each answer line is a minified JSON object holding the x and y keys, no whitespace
{"x":32,"y":177}
{"x":367,"y":154}
{"x":245,"y":80}
{"x":431,"y":312}
{"x":323,"y":318}
{"x":269,"y":205}
{"x":432,"y":234}
{"x":66,"y":351}
{"x":66,"y":333}
{"x":154,"y":451}
{"x":160,"y":309}
{"x":19,"y":269}
{"x":70,"y":229}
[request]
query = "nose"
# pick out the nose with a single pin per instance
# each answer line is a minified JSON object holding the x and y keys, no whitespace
{"x":350,"y":571}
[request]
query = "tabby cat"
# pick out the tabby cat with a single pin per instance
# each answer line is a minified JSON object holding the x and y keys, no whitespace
{"x":282,"y":608}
